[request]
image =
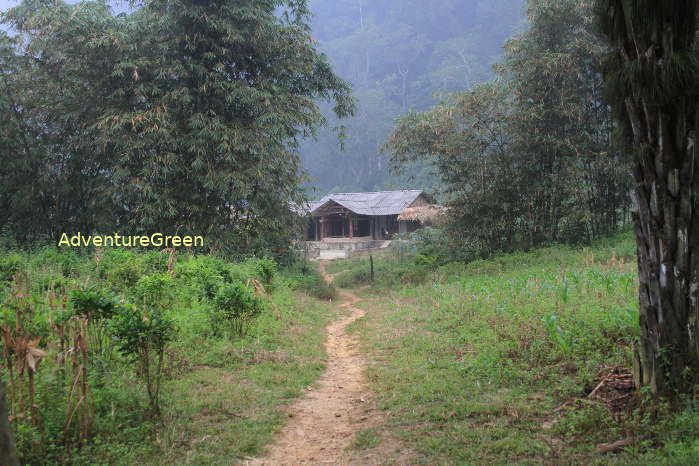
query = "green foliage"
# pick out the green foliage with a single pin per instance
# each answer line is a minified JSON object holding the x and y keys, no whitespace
{"x":9,"y":266}
{"x":527,"y":159}
{"x":94,"y":303}
{"x":233,"y":307}
{"x":267,"y":270}
{"x":494,"y":360}
{"x":121,"y":267}
{"x":138,"y":332}
{"x":304,"y":276}
{"x":154,"y":289}
{"x":142,"y":336}
{"x":123,"y":124}
{"x":411,"y":259}
{"x":556,"y":335}
{"x":204,"y":275}
{"x":148,"y":341}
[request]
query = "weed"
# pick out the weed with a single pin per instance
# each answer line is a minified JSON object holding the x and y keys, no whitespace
{"x":234,"y":306}
{"x":365,"y":439}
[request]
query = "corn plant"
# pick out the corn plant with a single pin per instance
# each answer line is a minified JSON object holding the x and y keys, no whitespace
{"x":558,"y":338}
{"x":21,"y":335}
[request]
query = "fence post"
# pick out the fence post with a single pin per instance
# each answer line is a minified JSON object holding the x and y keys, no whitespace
{"x":371,"y":264}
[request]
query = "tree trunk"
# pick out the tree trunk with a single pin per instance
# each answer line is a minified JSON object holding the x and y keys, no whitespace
{"x":654,"y":92}
{"x":7,"y":447}
{"x":667,"y":236}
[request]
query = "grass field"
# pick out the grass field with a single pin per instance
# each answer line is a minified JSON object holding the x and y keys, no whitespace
{"x":497,"y":361}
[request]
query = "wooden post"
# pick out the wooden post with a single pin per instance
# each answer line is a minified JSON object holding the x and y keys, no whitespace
{"x":371,"y":267}
{"x":320,"y":229}
{"x":351,"y":227}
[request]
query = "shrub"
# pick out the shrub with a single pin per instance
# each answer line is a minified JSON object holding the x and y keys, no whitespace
{"x":234,"y":305}
{"x":142,"y":338}
{"x":304,"y":277}
{"x":266,"y":270}
{"x":154,"y":289}
{"x":121,"y":267}
{"x":202,"y":274}
{"x":93,"y":303}
{"x":9,"y":266}
{"x":97,"y":306}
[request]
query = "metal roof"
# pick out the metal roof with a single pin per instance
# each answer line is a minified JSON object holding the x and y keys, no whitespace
{"x":305,"y":208}
{"x":376,"y":203}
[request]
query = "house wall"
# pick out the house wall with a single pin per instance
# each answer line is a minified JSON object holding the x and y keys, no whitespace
{"x":339,"y":249}
{"x":407,"y":227}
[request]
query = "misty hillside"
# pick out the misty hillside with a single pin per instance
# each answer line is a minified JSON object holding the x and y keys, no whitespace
{"x":398,"y":55}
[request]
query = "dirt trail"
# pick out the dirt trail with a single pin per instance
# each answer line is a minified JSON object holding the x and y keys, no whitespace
{"x":324,"y":422}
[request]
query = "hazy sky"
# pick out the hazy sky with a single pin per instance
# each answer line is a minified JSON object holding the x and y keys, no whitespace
{"x":5,"y":4}
{"x":118,"y":5}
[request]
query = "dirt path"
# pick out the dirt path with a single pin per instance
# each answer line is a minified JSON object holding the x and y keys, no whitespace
{"x":324,"y":422}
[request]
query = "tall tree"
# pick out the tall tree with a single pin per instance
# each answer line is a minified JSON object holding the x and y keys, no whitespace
{"x":652,"y":75}
{"x":574,"y":182}
{"x":182,"y":117}
{"x":466,"y":138}
{"x":207,"y":119}
{"x":529,"y":158}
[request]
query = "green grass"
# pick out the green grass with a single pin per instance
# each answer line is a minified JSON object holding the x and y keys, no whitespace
{"x":230,"y":408}
{"x":492,"y":362}
{"x":365,"y":439}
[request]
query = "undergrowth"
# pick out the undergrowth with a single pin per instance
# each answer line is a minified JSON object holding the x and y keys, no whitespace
{"x":117,"y":356}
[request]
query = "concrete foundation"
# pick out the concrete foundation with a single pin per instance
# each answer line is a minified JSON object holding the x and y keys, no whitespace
{"x":341,"y":248}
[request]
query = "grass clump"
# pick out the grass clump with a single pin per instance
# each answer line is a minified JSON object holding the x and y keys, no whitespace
{"x":234,"y":306}
{"x":305,"y":277}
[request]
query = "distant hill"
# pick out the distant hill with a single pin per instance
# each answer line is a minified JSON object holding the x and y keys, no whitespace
{"x":399,"y":55}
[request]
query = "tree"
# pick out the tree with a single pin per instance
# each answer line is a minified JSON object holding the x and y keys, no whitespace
{"x":181,"y":117}
{"x":528,"y":158}
{"x":207,"y":118}
{"x":652,"y":75}
{"x":574,"y":184}
{"x":53,"y":77}
{"x":466,"y":137}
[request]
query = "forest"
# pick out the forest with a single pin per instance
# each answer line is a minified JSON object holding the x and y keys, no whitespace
{"x":532,"y":301}
{"x":398,"y":56}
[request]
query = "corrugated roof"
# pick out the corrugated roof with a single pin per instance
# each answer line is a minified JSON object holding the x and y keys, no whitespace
{"x":376,"y":203}
{"x":305,"y":208}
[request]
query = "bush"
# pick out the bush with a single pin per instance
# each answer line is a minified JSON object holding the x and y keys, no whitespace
{"x":142,"y":338}
{"x":234,"y":305}
{"x":302,"y":276}
{"x":93,"y":303}
{"x":121,"y":267}
{"x":154,"y":289}
{"x":9,"y":266}
{"x":202,"y":273}
{"x":267,"y":270}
